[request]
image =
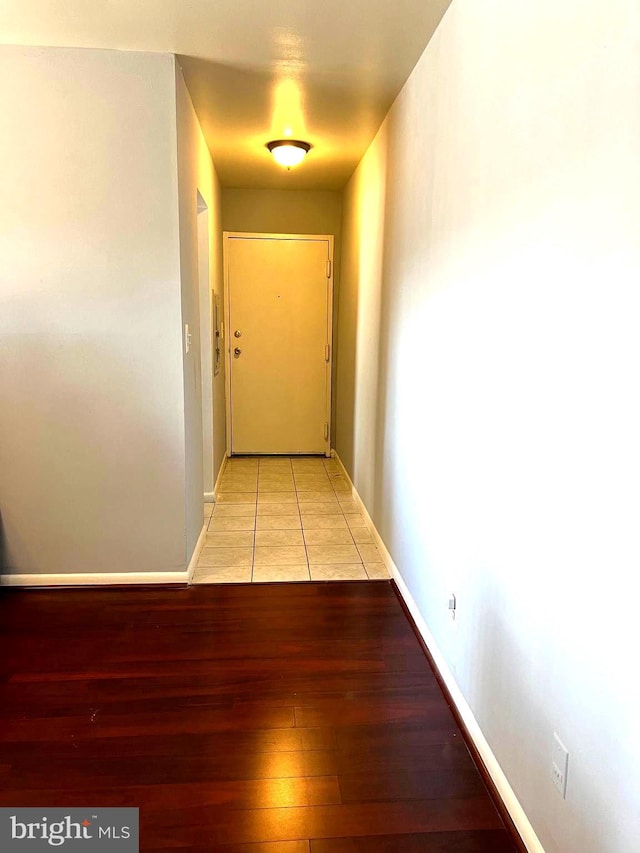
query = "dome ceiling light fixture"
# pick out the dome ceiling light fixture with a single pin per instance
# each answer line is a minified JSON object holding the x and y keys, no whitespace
{"x":288,"y":152}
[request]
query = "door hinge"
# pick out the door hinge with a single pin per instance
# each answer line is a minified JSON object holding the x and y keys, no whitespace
{"x":328,"y":269}
{"x":326,"y":432}
{"x":327,"y":353}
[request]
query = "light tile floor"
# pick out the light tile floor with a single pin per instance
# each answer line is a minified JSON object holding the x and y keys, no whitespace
{"x":286,"y":519}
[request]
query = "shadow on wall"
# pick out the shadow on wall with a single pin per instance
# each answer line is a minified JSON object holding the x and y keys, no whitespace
{"x":361,"y":325}
{"x":388,"y":241}
{"x":345,"y":346}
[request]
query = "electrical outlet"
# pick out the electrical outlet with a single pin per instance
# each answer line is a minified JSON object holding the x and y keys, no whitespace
{"x":559,"y":765}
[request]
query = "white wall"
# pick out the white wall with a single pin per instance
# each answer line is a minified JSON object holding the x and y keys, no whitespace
{"x":488,"y":405}
{"x":196,"y":174}
{"x":92,"y":426}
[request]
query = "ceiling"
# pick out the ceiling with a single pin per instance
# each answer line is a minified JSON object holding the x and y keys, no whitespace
{"x":257,"y":70}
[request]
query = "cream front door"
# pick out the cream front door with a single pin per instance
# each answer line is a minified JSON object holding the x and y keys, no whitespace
{"x":279,"y":291}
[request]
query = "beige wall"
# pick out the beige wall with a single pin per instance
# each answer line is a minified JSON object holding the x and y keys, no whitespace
{"x":290,"y":212}
{"x":91,"y":430}
{"x":359,"y":319}
{"x":196,"y":175}
{"x":282,"y":211}
{"x":488,"y":367}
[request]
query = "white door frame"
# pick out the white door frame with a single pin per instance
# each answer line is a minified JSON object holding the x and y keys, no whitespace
{"x":226,"y":235}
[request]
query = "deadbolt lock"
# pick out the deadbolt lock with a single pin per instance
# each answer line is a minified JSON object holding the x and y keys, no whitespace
{"x":237,"y":333}
{"x":237,"y":351}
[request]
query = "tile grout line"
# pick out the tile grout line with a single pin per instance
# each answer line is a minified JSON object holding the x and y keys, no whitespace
{"x":350,"y":531}
{"x":344,"y":515}
{"x":254,"y":520}
{"x":255,"y":523}
{"x":295,"y":488}
{"x":353,"y":541}
{"x":304,"y":539}
{"x":291,"y":472}
{"x":333,"y":492}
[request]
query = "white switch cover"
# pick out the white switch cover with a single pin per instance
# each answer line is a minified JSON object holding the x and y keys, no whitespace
{"x":452,"y":605}
{"x":559,"y":765}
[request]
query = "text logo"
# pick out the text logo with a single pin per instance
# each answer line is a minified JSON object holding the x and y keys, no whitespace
{"x":79,"y":830}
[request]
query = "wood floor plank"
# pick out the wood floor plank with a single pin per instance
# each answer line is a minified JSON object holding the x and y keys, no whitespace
{"x":405,"y":738}
{"x":470,"y":841}
{"x":145,"y":694}
{"x":349,"y":712}
{"x":95,"y":722}
{"x":161,"y":770}
{"x":203,"y":745}
{"x":259,"y":825}
{"x":280,"y":718}
{"x":399,"y":782}
{"x":261,"y":793}
{"x":268,"y":847}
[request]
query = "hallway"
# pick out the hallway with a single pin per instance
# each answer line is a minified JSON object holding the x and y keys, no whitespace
{"x":476,"y":166}
{"x":286,"y":519}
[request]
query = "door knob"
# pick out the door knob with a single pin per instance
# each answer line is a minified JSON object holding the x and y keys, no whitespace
{"x":237,"y":351}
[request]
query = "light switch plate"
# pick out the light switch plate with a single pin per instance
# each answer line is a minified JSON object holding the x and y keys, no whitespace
{"x":559,"y":765}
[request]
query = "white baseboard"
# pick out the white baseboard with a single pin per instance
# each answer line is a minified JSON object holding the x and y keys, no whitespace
{"x":211,"y":497}
{"x":518,"y":816}
{"x":193,"y":562}
{"x":216,"y":488}
{"x":95,"y":578}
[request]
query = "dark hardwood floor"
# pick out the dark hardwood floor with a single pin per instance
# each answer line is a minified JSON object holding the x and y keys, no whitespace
{"x":275,"y":718}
